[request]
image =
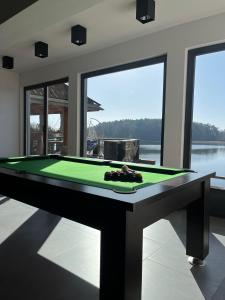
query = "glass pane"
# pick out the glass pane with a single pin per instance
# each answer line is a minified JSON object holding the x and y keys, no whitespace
{"x":58,"y":118}
{"x":35,"y":134}
{"x":124,"y":114}
{"x":208,"y":132}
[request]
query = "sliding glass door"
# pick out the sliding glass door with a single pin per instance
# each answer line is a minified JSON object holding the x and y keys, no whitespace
{"x":46,"y":118}
{"x":58,"y":118}
{"x":35,"y":121}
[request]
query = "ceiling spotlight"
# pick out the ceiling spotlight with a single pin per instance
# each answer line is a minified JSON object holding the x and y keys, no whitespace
{"x":41,"y":49}
{"x":145,"y":11}
{"x":7,"y":62}
{"x":78,"y":35}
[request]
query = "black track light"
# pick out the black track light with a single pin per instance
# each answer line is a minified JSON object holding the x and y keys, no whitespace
{"x":41,"y":49}
{"x":78,"y":35}
{"x":7,"y":62}
{"x":145,"y":11}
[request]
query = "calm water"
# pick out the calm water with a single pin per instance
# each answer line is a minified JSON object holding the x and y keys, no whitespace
{"x":204,"y":157}
{"x":150,"y":152}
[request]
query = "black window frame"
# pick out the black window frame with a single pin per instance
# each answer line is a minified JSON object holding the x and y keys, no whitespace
{"x":45,"y":86}
{"x":118,"y":68}
{"x":191,"y":67}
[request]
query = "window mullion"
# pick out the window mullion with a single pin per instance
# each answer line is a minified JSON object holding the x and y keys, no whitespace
{"x":46,"y":120}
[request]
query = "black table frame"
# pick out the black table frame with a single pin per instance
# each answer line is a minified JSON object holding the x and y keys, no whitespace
{"x":121,"y":219}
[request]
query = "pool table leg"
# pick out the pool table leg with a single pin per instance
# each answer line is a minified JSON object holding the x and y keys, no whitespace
{"x":197,"y":245}
{"x":121,"y":259}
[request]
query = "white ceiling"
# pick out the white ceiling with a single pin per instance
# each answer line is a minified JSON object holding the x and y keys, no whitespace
{"x":108,"y":22}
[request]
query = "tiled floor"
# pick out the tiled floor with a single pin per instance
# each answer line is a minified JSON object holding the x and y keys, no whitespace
{"x":44,"y":257}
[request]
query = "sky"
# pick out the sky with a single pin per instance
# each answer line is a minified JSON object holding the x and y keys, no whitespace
{"x":132,"y":94}
{"x":209,"y":96}
{"x":138,"y":93}
{"x":53,"y":121}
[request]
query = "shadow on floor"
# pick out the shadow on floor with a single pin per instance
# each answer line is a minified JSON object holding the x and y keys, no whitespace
{"x":25,"y":275}
{"x":220,"y":293}
{"x":211,"y":277}
{"x":4,"y":200}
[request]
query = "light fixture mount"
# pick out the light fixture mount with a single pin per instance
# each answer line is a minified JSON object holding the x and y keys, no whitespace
{"x":145,"y":11}
{"x":78,"y":35}
{"x":7,"y":62}
{"x":41,"y":49}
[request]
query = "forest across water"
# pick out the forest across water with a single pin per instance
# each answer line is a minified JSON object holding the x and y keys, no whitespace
{"x":149,"y":131}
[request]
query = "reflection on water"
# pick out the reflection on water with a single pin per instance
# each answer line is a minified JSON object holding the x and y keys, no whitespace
{"x":209,"y":158}
{"x":203,"y":157}
{"x":207,"y":151}
{"x":146,"y":149}
{"x":151,"y":152}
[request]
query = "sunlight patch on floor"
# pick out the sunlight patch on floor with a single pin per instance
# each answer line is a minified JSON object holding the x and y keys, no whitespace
{"x":76,"y":248}
{"x":13,"y":214}
{"x":220,"y":238}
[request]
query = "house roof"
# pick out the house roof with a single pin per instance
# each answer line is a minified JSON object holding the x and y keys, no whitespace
{"x":93,"y":105}
{"x":58,"y":91}
{"x":61,"y":92}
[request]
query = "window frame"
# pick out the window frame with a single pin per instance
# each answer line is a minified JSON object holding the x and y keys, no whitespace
{"x":44,"y":86}
{"x":190,"y":86}
{"x":118,"y":68}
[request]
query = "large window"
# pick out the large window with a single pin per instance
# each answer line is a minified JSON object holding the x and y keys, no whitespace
{"x":46,"y":126}
{"x":123,"y":111}
{"x":206,"y":104}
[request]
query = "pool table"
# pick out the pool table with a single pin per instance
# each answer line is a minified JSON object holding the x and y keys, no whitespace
{"x":74,"y":188}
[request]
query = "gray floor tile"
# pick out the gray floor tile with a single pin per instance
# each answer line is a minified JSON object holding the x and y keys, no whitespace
{"x":178,"y":220}
{"x":211,"y":277}
{"x":161,"y":231}
{"x":173,"y":256}
{"x":149,"y":247}
{"x":66,"y":237}
{"x":65,"y":254}
{"x":83,"y":261}
{"x":12,"y":215}
{"x":93,"y":233}
{"x":162,"y":283}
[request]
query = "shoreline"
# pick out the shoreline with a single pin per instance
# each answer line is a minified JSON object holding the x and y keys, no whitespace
{"x":208,"y":142}
{"x":216,"y":143}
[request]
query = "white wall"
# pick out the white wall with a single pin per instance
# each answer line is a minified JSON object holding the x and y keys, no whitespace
{"x":9,"y":113}
{"x":174,"y":41}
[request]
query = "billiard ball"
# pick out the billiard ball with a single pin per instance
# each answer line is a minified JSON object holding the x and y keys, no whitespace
{"x":125,"y":168}
{"x":125,"y":174}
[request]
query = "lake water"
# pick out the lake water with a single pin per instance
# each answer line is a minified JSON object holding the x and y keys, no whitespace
{"x":150,"y":152}
{"x":203,"y":157}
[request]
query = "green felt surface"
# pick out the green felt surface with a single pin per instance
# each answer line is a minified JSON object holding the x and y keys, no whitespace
{"x":83,"y":173}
